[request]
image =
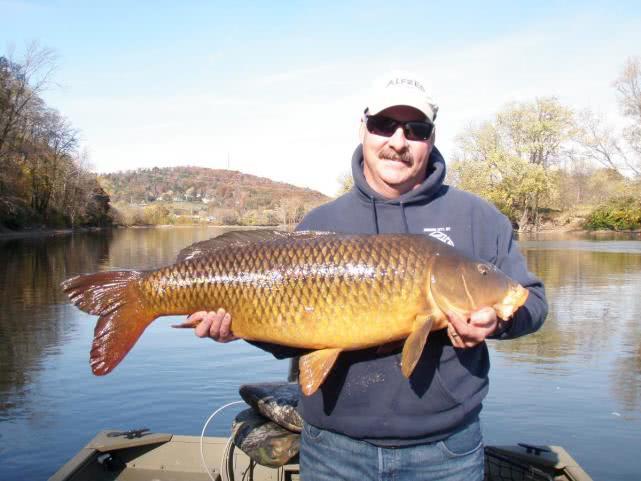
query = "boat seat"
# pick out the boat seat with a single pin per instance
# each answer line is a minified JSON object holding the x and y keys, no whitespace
{"x":277,"y":401}
{"x":269,"y":431}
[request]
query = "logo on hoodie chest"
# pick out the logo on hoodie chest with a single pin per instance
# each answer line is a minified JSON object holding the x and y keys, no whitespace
{"x":440,"y":233}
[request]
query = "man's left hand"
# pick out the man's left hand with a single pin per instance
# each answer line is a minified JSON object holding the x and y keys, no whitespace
{"x":470,"y":332}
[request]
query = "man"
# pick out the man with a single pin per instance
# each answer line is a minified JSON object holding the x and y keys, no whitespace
{"x":368,"y":421}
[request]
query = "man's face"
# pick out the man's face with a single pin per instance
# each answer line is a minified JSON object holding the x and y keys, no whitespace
{"x":395,"y":165}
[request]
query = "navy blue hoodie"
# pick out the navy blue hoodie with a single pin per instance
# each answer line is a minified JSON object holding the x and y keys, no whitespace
{"x":366,"y":396}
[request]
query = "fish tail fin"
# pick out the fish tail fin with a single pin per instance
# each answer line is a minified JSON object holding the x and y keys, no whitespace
{"x":116,"y":298}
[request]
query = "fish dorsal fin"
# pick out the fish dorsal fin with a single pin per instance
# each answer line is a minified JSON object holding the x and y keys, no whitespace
{"x":314,"y":368}
{"x":240,"y":238}
{"x":415,"y":343}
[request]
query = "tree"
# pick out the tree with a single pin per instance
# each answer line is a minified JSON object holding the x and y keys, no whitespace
{"x":54,"y":144}
{"x":508,"y":160}
{"x":628,"y":86}
{"x":346,"y":182}
{"x":77,"y":192}
{"x":20,"y":87}
{"x":535,"y":131}
{"x":514,"y":185}
{"x":600,"y":144}
{"x":289,"y":210}
{"x":40,"y":164}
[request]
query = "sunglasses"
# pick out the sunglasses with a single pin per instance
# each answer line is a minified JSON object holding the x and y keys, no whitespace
{"x":413,"y":130}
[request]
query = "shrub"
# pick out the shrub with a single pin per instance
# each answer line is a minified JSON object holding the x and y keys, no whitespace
{"x":616,"y":214}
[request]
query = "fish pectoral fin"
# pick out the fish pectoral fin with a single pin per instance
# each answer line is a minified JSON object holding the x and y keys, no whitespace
{"x":314,"y":368}
{"x":415,"y":343}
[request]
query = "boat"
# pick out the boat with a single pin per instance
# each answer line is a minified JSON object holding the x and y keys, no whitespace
{"x":140,"y":455}
{"x":263,"y":446}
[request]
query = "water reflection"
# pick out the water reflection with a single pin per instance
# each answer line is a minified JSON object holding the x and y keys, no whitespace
{"x":30,"y":324}
{"x":32,"y":321}
{"x":594,"y":315}
{"x":626,"y":371}
{"x":155,"y":247}
{"x":591,"y":343}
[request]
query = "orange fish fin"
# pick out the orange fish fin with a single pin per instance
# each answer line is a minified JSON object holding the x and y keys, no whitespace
{"x":123,"y":315}
{"x":314,"y":368}
{"x":186,"y":325}
{"x":415,"y":343}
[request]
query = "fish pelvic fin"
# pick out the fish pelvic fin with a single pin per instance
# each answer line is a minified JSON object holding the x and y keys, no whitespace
{"x":415,"y":343}
{"x":314,"y":368}
{"x":115,"y":297}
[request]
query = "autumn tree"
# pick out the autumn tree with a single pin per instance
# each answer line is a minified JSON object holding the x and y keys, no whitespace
{"x":38,"y":148}
{"x":21,"y":83}
{"x":345,"y":182}
{"x":536,"y":131}
{"x":508,"y":159}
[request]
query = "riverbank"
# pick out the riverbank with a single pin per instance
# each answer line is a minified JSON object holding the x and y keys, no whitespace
{"x":545,"y":231}
{"x":44,"y":232}
{"x":575,"y":227}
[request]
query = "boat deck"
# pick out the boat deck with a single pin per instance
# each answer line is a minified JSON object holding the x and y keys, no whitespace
{"x":168,"y":457}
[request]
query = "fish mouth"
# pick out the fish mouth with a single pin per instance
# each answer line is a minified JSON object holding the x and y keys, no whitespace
{"x":515,"y":298}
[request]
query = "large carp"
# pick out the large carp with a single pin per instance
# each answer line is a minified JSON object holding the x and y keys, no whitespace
{"x":321,"y":291}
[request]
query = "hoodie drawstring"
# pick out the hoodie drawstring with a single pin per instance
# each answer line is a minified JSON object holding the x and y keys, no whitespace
{"x":374,"y":213}
{"x":407,"y":230}
{"x":375,"y":216}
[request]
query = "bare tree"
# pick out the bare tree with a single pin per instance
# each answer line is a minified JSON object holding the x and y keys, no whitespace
{"x":600,"y":144}
{"x":287,"y":209}
{"x":75,"y":187}
{"x":21,"y":84}
{"x":628,"y":85}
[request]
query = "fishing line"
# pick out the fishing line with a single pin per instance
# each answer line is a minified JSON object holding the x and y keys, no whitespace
{"x":202,"y":436}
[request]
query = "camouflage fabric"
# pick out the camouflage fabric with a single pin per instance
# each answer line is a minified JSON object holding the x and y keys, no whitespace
{"x":264,"y":441}
{"x":276,"y":401}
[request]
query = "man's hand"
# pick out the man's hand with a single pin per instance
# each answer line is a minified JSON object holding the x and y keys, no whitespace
{"x":469,"y":332}
{"x":213,"y":324}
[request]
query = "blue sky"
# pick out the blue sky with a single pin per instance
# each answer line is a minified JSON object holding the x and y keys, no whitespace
{"x":277,"y":88}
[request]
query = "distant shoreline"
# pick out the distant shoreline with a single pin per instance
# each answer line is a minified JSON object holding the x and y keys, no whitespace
{"x":44,"y":232}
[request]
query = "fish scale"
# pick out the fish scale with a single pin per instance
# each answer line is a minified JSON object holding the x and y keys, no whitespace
{"x":299,"y":291}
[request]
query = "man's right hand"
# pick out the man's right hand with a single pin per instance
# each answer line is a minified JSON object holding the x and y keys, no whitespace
{"x":213,"y":324}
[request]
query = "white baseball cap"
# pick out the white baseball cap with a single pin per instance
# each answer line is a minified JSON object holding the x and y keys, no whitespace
{"x":401,"y":88}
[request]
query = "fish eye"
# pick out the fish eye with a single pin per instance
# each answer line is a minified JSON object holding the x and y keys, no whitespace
{"x":483,"y":269}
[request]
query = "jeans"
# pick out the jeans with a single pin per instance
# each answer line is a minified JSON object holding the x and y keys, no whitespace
{"x":327,"y":456}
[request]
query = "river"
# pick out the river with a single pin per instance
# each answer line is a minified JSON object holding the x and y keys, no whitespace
{"x":575,"y":383}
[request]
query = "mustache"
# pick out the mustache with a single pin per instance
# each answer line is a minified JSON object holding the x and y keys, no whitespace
{"x":404,"y":156}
